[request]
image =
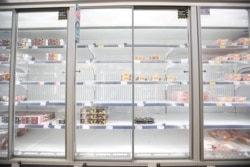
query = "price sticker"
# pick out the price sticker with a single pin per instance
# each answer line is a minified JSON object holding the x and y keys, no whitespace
{"x":85,"y":126}
{"x":91,"y":46}
{"x":160,"y":127}
{"x":219,"y":104}
{"x":124,"y":82}
{"x":40,"y":83}
{"x":21,"y":126}
{"x":100,"y":46}
{"x":88,"y":104}
{"x":120,"y":46}
{"x":212,"y":83}
{"x":228,"y":104}
{"x":217,"y":62}
{"x":34,"y":47}
{"x":137,"y":61}
{"x":26,"y":47}
{"x":109,"y":127}
{"x":31,"y":62}
{"x":184,"y":61}
{"x":43,"y":103}
{"x":222,"y":46}
{"x":138,"y":127}
{"x":140,"y":104}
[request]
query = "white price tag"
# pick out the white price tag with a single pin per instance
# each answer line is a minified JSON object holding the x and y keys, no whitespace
{"x":120,"y":46}
{"x":137,"y":61}
{"x":160,"y":127}
{"x":31,"y":62}
{"x":34,"y":47}
{"x":124,"y":82}
{"x":88,"y":104}
{"x":91,"y":46}
{"x":43,"y":103}
{"x":58,"y":127}
{"x":228,"y":104}
{"x":138,"y":127}
{"x":140,"y":104}
{"x":182,"y":46}
{"x":40,"y":83}
{"x":21,"y":126}
{"x":85,"y":126}
{"x":109,"y":127}
{"x":184,"y":61}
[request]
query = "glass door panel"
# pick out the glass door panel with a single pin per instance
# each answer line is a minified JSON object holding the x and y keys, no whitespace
{"x":104,"y":85}
{"x":226,"y":78}
{"x":161,"y":113}
{"x":5,"y":52}
{"x":40,"y":85}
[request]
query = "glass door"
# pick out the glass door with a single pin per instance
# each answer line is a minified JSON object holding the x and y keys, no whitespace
{"x":226,"y":78}
{"x":161,"y":77}
{"x":104,"y":97}
{"x":40,"y":84}
{"x":5,"y":52}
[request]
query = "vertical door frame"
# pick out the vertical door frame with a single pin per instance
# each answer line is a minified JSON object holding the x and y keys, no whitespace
{"x":11,"y":123}
{"x":70,"y":87}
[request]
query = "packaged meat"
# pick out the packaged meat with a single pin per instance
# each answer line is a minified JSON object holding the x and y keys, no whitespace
{"x":17,"y":98}
{"x":39,"y":42}
{"x":223,"y":42}
{"x":4,"y":76}
{"x":231,"y":99}
{"x":24,"y":42}
{"x":155,"y":58}
{"x":170,"y":78}
{"x":125,"y":76}
{"x":53,"y":57}
{"x":242,"y":41}
{"x":141,"y":78}
{"x":140,"y":58}
{"x":55,"y":42}
{"x":155,"y":78}
{"x":4,"y":57}
{"x":221,"y":134}
{"x":5,"y":42}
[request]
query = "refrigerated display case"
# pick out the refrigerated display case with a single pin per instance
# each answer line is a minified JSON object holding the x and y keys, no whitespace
{"x":40,"y":70}
{"x":104,"y":93}
{"x":148,"y":84}
{"x":132,"y":84}
{"x":5,"y":52}
{"x":225,"y":55}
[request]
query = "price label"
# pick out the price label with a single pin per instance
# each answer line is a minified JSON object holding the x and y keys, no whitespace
{"x":109,"y":127}
{"x":217,"y":62}
{"x":40,"y":83}
{"x":212,"y":83}
{"x":85,"y":126}
{"x":21,"y":126}
{"x":160,"y":127}
{"x":100,"y":46}
{"x":34,"y":47}
{"x":91,"y":46}
{"x":31,"y":62}
{"x":26,"y":47}
{"x":124,"y":82}
{"x":222,"y":46}
{"x":219,"y":104}
{"x":140,"y":104}
{"x":43,"y":103}
{"x":88,"y":104}
{"x":228,"y":104}
{"x":184,"y":61}
{"x":138,"y":127}
{"x":120,"y":46}
{"x":137,"y":61}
